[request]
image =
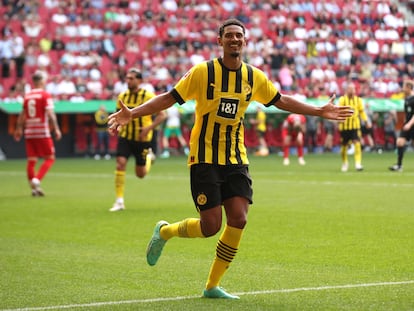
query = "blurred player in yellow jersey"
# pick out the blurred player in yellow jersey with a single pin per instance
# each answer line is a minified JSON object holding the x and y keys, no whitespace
{"x":350,"y":129}
{"x":102,"y":146}
{"x":135,"y":137}
{"x":222,"y":89}
{"x":260,"y":122}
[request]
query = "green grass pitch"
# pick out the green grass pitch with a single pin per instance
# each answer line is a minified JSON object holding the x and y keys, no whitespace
{"x":316,"y":239}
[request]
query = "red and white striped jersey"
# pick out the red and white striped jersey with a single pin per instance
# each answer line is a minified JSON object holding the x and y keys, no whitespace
{"x":36,"y":104}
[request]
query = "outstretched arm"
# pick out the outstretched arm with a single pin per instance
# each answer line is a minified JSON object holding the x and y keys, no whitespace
{"x":328,"y":111}
{"x":125,"y":115}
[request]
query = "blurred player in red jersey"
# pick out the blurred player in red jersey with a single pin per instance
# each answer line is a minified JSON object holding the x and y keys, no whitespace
{"x":36,"y":121}
{"x":293,"y":130}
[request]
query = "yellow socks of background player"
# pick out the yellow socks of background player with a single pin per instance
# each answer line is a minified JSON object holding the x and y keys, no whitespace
{"x":226,"y":250}
{"x":187,"y":228}
{"x":358,"y":153}
{"x":119,"y":183}
{"x":344,"y":153}
{"x":148,"y":162}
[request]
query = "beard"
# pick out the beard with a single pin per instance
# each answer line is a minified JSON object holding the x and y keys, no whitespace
{"x":235,"y":54}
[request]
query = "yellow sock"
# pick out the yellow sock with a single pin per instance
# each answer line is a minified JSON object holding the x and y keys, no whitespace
{"x":187,"y":228}
{"x":119,"y":183}
{"x":358,"y":153}
{"x":344,"y":153}
{"x":148,"y":162}
{"x":226,"y":250}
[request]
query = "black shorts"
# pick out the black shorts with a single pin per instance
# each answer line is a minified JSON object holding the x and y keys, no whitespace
{"x":348,"y":136}
{"x":139,"y":149}
{"x":408,"y":135}
{"x":213,"y":184}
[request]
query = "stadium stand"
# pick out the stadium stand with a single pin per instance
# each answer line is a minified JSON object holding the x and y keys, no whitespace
{"x":321,"y":44}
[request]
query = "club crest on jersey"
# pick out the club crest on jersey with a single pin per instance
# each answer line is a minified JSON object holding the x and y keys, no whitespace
{"x":201,"y":199}
{"x":247,"y":89}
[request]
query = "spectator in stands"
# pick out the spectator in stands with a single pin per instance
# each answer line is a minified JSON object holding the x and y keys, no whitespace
{"x":60,"y":16}
{"x":132,"y":45}
{"x":108,"y":46}
{"x":69,"y":71}
{"x":95,"y":72}
{"x":380,"y":86}
{"x":70,"y":30}
{"x":66,"y":87}
{"x":84,"y":26}
{"x":32,"y":26}
{"x":13,"y":96}
{"x":148,"y":30}
{"x":95,"y":87}
{"x":80,"y":85}
{"x":52,"y":4}
{"x":286,"y":78}
{"x":45,"y":44}
{"x":43,"y":61}
{"x":6,"y":54}
{"x":18,"y":54}
{"x":98,"y":4}
{"x":408,"y":48}
{"x":120,"y":85}
{"x":330,"y":7}
{"x":389,"y":71}
{"x":72,"y":45}
{"x":373,"y":47}
{"x":275,"y":59}
{"x":77,"y":98}
{"x":317,"y":73}
{"x":57,"y":43}
{"x":344,"y":48}
{"x":393,"y":85}
{"x":52,"y":87}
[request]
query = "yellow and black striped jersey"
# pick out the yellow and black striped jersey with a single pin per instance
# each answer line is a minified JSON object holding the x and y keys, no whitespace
{"x":132,"y":130}
{"x":221,"y":98}
{"x":356,"y":104}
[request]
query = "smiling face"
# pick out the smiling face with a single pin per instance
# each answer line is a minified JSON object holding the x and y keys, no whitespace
{"x":232,"y":40}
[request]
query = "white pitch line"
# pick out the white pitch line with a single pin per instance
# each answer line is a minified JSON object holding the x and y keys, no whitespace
{"x":263,"y":292}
